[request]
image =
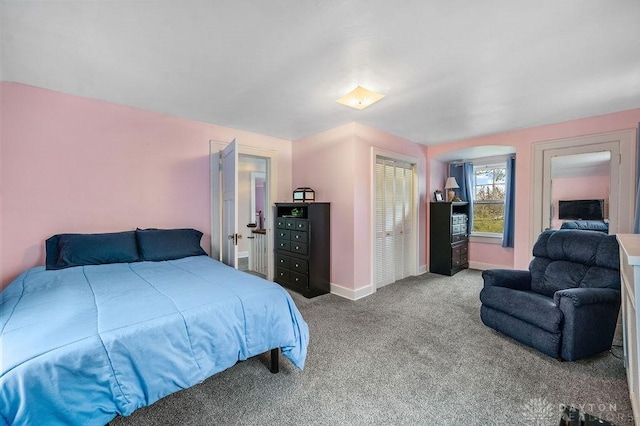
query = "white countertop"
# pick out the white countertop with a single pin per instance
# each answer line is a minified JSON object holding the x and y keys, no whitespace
{"x":630,"y":244}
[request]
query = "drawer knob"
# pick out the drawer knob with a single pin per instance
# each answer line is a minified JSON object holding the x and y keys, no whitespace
{"x":297,"y":265}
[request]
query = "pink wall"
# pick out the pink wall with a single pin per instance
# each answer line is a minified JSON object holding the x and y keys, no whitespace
{"x":524,"y":141}
{"x":366,"y":139}
{"x":578,"y":188}
{"x":324,"y":162}
{"x":2,"y":137}
{"x":71,"y":164}
{"x":337,"y":165}
{"x":488,"y":256}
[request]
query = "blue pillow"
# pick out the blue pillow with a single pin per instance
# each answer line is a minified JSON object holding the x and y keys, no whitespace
{"x":169,"y":244}
{"x":67,"y":250}
{"x":51,"y":250}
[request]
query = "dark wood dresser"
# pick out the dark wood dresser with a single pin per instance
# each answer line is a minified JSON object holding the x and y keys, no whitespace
{"x":448,"y":237}
{"x":303,"y":247}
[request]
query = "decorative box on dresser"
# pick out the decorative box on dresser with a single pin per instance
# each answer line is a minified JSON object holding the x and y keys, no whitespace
{"x":630,"y":294}
{"x":448,"y":237}
{"x":302,"y":247}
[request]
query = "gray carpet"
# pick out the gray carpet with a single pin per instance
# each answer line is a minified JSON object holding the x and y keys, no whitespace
{"x":414,"y":353}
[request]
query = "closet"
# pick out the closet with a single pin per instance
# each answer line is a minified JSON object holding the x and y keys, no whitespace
{"x":394,"y":221}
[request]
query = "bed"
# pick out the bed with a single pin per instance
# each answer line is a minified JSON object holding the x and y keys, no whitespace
{"x":83,"y":343}
{"x":589,"y":225}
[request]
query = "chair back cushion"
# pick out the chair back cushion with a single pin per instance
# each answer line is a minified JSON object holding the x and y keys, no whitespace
{"x":569,"y":258}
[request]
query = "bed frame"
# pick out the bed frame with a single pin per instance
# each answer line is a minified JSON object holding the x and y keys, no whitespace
{"x":274,"y":365}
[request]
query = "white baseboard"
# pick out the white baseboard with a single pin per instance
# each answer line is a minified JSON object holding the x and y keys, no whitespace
{"x":484,"y":266}
{"x":351,"y":294}
{"x":361,"y":292}
{"x":243,"y":254}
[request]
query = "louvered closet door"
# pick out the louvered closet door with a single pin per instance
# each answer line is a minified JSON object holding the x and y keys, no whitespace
{"x":395,"y":251}
{"x":404,"y":248}
{"x":410,"y":230}
{"x":384,"y":224}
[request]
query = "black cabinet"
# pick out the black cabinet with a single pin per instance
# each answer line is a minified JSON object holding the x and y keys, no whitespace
{"x":302,"y":247}
{"x":448,"y":237}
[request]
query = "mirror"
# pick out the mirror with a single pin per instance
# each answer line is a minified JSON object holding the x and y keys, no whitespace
{"x":258,"y":209}
{"x":584,"y":176}
{"x":578,"y":158}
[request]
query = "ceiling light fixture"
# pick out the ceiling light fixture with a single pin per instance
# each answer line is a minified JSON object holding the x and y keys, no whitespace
{"x":360,"y":98}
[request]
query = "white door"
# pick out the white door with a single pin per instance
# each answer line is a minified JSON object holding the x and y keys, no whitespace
{"x":394,"y":242}
{"x":403,"y":221}
{"x":230,"y":233}
{"x":385,"y":273}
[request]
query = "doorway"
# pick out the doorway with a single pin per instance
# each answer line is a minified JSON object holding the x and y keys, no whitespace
{"x":395,"y":220}
{"x":243,"y":177}
{"x":253,"y":214}
{"x":583,"y":179}
{"x":621,"y":165}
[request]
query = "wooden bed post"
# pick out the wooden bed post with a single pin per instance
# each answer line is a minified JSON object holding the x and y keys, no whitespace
{"x":274,"y":366}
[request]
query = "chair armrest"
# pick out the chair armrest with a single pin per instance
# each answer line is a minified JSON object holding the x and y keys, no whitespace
{"x":587,"y":296}
{"x":590,"y":318}
{"x":509,"y":278}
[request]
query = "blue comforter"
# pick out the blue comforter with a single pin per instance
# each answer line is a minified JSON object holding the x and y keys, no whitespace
{"x":80,"y":345}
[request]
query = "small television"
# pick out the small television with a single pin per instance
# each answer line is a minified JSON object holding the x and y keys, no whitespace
{"x":581,"y":209}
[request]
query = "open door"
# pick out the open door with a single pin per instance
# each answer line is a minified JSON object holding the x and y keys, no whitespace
{"x":230,"y":233}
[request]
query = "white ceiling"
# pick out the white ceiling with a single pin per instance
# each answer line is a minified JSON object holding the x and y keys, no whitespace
{"x":451,"y":69}
{"x":577,"y":165}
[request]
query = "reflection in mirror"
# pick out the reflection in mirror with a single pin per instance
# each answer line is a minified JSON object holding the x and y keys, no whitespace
{"x":580,"y":189}
{"x":258,"y":197}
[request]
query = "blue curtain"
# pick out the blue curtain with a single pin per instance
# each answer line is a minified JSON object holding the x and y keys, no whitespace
{"x":636,"y":220}
{"x":509,"y":204}
{"x":464,"y":176}
{"x":468,"y":188}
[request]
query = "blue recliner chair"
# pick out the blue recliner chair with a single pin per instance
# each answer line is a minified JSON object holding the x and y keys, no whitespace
{"x":566,"y":305}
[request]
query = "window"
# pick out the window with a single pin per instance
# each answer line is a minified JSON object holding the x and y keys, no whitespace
{"x":488,"y":204}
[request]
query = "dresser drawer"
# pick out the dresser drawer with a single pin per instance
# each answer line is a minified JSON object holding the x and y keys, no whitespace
{"x":301,"y":225}
{"x":283,"y":234}
{"x":458,"y":238}
{"x":299,"y":280}
{"x":299,"y":265}
{"x":298,"y":236}
{"x":283,"y":275}
{"x":300,"y":248}
{"x":290,"y":223}
{"x":464,"y":248}
{"x":281,"y":222}
{"x":283,"y":261}
{"x":459,"y":256}
{"x":283,"y":245}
